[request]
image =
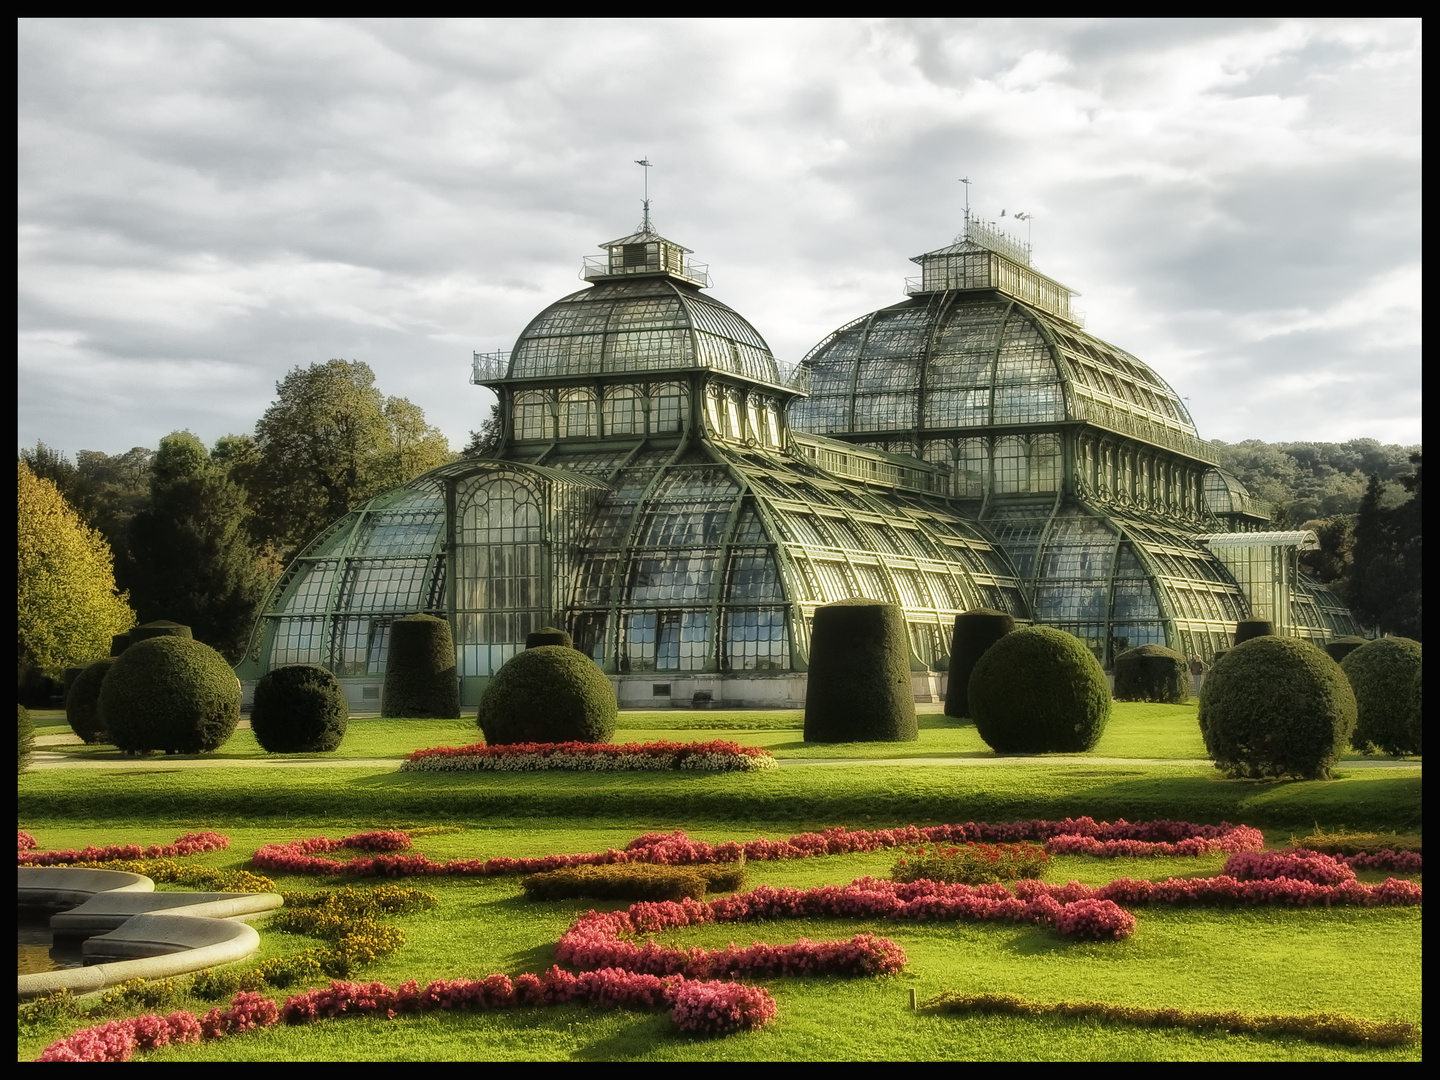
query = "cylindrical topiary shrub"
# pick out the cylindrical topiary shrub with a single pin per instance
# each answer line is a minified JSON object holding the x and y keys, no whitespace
{"x":82,"y":704}
{"x":1382,"y":673}
{"x":71,"y":674}
{"x":1342,"y":647}
{"x":1039,"y":691}
{"x":975,"y":631}
{"x":26,"y":731}
{"x":548,"y":635}
{"x":1246,"y":629}
{"x":1276,"y":707}
{"x":169,"y":693}
{"x":159,"y":628}
{"x":420,"y":676}
{"x":1413,"y":715}
{"x":299,"y":709}
{"x":1152,"y":673}
{"x":119,"y":643}
{"x":551,"y":693}
{"x":859,"y":684}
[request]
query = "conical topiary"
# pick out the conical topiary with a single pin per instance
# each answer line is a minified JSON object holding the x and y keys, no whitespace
{"x":551,"y":693}
{"x":1342,"y":647}
{"x":858,"y":689}
{"x":548,"y":635}
{"x":1246,"y":629}
{"x":420,"y":673}
{"x":1152,"y":673}
{"x":1039,"y":691}
{"x":159,"y":628}
{"x":975,"y":631}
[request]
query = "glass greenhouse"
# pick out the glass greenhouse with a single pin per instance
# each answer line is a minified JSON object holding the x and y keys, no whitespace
{"x":665,"y":493}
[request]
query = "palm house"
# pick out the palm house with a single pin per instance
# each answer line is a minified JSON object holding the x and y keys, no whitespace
{"x":665,"y":492}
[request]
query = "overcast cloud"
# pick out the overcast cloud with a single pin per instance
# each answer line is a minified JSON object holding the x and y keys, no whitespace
{"x":205,"y":205}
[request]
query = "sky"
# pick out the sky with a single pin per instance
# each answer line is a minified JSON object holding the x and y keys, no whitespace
{"x":206,"y":205}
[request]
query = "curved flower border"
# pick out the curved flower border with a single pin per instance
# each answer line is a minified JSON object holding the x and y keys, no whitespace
{"x":718,"y":755}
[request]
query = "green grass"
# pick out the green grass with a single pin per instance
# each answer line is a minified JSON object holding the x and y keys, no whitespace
{"x":1257,"y":960}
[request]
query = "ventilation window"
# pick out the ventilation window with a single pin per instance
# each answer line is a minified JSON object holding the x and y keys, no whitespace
{"x":660,"y":689}
{"x":370,"y":693}
{"x":637,"y":255}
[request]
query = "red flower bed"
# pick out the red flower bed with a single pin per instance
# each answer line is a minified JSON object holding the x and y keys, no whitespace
{"x":1297,"y":864}
{"x":189,"y":844}
{"x":718,"y":755}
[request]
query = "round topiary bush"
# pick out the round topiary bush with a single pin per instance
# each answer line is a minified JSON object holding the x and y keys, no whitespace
{"x":1412,"y":713}
{"x":420,"y":675}
{"x":26,"y":732}
{"x":1276,"y":707}
{"x":1152,"y":673}
{"x":859,"y":684}
{"x":1342,"y":647}
{"x":1382,"y":673}
{"x":550,"y":693}
{"x":1246,"y":629}
{"x":1039,"y":691}
{"x":975,"y":631}
{"x":548,"y":635}
{"x":159,"y":628}
{"x":299,"y":709}
{"x":169,"y":693}
{"x":82,"y":704}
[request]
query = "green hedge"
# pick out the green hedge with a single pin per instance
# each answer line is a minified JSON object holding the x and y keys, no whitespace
{"x":26,"y":730}
{"x":1383,"y":675}
{"x":975,"y":631}
{"x":420,"y":674}
{"x":1246,"y":629}
{"x":858,"y":689}
{"x":169,"y":693}
{"x":82,"y":704}
{"x":1342,"y":647}
{"x":548,"y":635}
{"x":551,"y":693}
{"x":1276,"y":707}
{"x":1152,"y":673}
{"x":1038,"y":691}
{"x":299,"y":709}
{"x":635,"y":881}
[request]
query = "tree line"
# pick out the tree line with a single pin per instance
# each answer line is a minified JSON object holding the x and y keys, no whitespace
{"x":199,"y":534}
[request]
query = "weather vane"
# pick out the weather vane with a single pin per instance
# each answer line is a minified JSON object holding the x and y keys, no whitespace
{"x":645,"y":162}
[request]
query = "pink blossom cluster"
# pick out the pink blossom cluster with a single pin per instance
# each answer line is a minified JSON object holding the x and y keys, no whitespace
{"x":119,"y":1039}
{"x":1406,"y":862}
{"x":1241,"y":838}
{"x":300,"y":857}
{"x":189,"y":844}
{"x":1287,"y":891}
{"x":26,"y":841}
{"x":1296,"y":863}
{"x":1102,"y":920}
{"x":718,"y":755}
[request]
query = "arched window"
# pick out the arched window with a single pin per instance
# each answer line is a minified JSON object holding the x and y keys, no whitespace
{"x":577,"y":413}
{"x":534,"y":416}
{"x":1044,"y":463}
{"x":1012,"y":464}
{"x":715,"y":411}
{"x":667,"y":408}
{"x":624,"y":411}
{"x":499,"y":512}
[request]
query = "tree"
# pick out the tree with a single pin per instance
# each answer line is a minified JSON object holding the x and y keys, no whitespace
{"x":67,"y":607}
{"x":1385,"y":590}
{"x":330,"y":441}
{"x":486,"y":441}
{"x":196,"y":562}
{"x":1333,"y":563}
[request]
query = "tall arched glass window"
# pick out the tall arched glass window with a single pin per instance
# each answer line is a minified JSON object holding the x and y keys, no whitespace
{"x":624,"y":411}
{"x":668,"y":404}
{"x":1044,"y":463}
{"x":1012,"y":464}
{"x":534,"y":417}
{"x":577,"y":413}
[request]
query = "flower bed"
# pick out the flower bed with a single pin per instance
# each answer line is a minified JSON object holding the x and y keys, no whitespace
{"x":719,"y":755}
{"x":189,"y":844}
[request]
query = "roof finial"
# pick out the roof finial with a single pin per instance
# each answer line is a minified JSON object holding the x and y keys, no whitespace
{"x":645,"y":224}
{"x":966,"y":181}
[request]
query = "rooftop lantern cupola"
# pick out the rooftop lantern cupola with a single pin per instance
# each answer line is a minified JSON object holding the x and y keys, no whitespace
{"x":984,"y":257}
{"x":644,"y":252}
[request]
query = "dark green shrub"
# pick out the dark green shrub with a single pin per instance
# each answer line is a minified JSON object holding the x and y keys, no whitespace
{"x":119,"y":643}
{"x":975,"y":631}
{"x":1342,"y":647}
{"x":1039,"y":691}
{"x":1220,"y":654}
{"x":550,"y":693}
{"x":1276,"y":707}
{"x":71,"y":674}
{"x":159,"y":628}
{"x":26,"y":728}
{"x":970,"y":863}
{"x":859,"y":684}
{"x":1413,"y":715}
{"x":299,"y":709}
{"x":169,"y":693}
{"x":1246,"y":629}
{"x":1382,"y":673}
{"x":82,"y":704}
{"x":635,"y":881}
{"x":548,"y":635}
{"x":420,"y":676}
{"x":1152,"y":673}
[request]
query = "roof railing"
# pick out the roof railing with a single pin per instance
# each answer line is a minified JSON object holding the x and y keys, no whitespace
{"x":601,"y":266}
{"x":489,"y":366}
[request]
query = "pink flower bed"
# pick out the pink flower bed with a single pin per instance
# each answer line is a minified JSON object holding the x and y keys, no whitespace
{"x":1404,"y":862}
{"x":710,"y":1008}
{"x":719,"y":755}
{"x":1102,"y":920}
{"x":189,"y":844}
{"x":1299,"y":865}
